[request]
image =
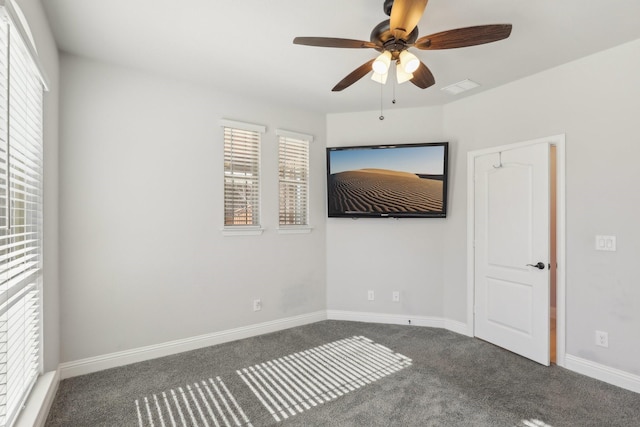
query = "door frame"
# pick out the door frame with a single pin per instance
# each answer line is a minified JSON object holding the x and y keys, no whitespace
{"x":559,"y":142}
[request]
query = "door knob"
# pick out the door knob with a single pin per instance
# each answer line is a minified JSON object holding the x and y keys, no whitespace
{"x":539,"y":266}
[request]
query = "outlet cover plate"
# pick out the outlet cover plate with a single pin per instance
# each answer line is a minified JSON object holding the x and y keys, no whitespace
{"x":602,"y":339}
{"x":606,"y":243}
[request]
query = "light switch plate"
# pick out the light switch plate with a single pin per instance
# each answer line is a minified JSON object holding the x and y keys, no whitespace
{"x":606,"y":243}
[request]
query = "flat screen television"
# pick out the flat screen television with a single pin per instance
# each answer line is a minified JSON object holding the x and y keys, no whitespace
{"x":399,"y":181}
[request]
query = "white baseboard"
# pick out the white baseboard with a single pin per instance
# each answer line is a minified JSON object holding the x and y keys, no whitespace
{"x":603,"y":373}
{"x":39,"y":402}
{"x":458,"y":327}
{"x":121,"y":358}
{"x":399,"y":319}
{"x":582,"y":366}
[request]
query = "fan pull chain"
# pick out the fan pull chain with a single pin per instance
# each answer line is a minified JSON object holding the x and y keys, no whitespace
{"x":393,"y":101}
{"x":381,"y":104}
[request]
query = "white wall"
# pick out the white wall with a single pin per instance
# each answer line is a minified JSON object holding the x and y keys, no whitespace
{"x":384,"y":254}
{"x":143,"y":259}
{"x":596,"y":102}
{"x":48,"y":55}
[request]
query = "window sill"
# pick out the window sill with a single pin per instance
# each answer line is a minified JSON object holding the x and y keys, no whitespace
{"x":39,"y":401}
{"x":242,"y":231}
{"x":295,"y":229}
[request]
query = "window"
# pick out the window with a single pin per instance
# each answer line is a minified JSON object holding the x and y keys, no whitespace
{"x":241,"y":174}
{"x":293,"y":166}
{"x":21,"y":97}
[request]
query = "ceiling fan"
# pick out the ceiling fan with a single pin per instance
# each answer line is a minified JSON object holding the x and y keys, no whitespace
{"x":394,"y":36}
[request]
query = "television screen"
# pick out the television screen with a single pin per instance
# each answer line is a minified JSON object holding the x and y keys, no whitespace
{"x":401,"y":181}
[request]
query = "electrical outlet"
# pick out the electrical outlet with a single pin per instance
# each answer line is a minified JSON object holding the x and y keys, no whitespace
{"x":371,"y":295}
{"x":257,"y":305}
{"x":606,"y":243}
{"x":395,"y":297}
{"x":602,"y":339}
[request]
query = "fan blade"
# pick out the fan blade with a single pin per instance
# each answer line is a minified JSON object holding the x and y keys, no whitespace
{"x":405,"y":15}
{"x":422,"y":77}
{"x":355,"y":75}
{"x":334,"y":42}
{"x":463,"y":37}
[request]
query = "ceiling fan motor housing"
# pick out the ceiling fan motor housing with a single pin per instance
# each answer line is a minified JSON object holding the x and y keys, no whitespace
{"x":382,"y":34}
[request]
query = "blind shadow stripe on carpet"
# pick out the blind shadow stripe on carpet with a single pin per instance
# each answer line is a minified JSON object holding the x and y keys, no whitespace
{"x":285,"y":386}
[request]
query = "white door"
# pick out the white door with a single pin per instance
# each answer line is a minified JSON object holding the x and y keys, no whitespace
{"x":511,"y":252}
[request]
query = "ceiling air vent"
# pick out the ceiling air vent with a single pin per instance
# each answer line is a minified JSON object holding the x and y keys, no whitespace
{"x":460,"y":87}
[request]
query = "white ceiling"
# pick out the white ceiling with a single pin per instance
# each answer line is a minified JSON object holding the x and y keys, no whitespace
{"x":247,"y":45}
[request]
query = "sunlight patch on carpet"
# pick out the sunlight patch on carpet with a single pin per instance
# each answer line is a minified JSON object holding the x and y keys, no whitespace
{"x":207,"y":403}
{"x":293,"y":384}
{"x":284,"y":387}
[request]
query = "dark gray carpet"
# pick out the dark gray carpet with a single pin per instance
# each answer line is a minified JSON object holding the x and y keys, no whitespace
{"x":452,"y":380}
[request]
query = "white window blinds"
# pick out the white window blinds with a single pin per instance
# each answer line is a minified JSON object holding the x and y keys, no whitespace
{"x":293,"y":178}
{"x":241,"y":174}
{"x":21,"y":97}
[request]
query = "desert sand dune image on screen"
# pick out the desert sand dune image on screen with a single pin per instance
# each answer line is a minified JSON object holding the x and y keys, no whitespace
{"x":383,"y":191}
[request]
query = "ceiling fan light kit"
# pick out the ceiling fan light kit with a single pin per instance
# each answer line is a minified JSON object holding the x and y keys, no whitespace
{"x":380,"y":78}
{"x":397,"y":34}
{"x":382,"y":63}
{"x":401,"y":75}
{"x":409,"y":62}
